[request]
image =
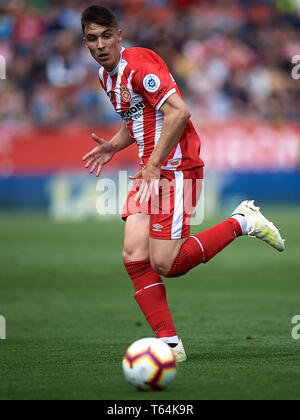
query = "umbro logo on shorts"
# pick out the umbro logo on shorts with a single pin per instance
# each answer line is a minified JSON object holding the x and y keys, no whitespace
{"x":157,"y":228}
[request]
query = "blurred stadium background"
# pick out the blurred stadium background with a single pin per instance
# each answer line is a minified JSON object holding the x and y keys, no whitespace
{"x":231,"y":59}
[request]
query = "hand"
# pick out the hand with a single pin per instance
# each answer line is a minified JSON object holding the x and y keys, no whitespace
{"x":150,"y":182}
{"x":99,"y":156}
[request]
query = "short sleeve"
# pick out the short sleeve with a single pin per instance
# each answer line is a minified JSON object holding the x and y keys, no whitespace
{"x":154,"y":82}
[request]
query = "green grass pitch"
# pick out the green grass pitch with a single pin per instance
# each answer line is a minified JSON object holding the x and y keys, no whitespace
{"x":71,"y":315}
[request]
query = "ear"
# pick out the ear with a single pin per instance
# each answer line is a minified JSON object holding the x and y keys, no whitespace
{"x":120,"y":34}
{"x":85,"y":42}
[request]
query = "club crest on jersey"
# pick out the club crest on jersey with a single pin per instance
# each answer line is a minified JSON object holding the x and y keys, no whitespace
{"x":151,"y":83}
{"x":125,"y":94}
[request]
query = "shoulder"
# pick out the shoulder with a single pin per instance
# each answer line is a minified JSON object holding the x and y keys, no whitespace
{"x":142,"y":57}
{"x":148,"y":69}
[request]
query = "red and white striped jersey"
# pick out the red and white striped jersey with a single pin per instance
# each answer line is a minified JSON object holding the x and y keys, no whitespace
{"x":137,"y":88}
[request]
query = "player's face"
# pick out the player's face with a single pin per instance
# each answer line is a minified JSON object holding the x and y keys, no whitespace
{"x":104,"y":45}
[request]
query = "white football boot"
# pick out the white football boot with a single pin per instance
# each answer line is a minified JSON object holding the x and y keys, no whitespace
{"x":179,"y":352}
{"x":260,"y":227}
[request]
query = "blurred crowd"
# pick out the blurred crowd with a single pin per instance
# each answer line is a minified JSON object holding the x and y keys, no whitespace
{"x":231,"y":58}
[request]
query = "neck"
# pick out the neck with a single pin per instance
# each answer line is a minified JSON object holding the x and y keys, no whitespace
{"x":113,"y":67}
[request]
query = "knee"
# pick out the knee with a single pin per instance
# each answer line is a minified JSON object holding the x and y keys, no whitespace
{"x":127,"y":255}
{"x":130,"y":254}
{"x":161,"y":266}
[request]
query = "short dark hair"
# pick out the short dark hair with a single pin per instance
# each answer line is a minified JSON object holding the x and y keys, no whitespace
{"x":100,"y":16}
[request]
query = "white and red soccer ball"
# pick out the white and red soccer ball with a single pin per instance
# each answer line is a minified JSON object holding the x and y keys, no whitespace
{"x":149,"y":364}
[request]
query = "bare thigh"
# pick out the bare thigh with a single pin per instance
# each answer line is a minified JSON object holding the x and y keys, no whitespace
{"x":136,"y":238}
{"x":163,"y":254}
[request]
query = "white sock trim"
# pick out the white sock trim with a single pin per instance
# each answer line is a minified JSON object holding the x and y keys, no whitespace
{"x":151,"y":285}
{"x":242,"y":221}
{"x":170,"y":340}
{"x":201,"y":246}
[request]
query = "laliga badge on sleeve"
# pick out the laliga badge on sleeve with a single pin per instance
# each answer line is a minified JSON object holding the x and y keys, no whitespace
{"x":151,"y":83}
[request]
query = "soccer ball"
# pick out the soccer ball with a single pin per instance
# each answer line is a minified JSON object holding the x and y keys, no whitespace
{"x":149,"y":364}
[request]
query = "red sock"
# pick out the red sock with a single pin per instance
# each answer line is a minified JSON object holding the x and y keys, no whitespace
{"x":151,"y":297}
{"x":203,"y":247}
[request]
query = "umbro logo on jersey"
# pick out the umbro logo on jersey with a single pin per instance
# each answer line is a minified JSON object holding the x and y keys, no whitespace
{"x":157,"y":228}
{"x":134,"y":112}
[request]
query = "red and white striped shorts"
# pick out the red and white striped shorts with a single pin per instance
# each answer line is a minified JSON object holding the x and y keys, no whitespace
{"x":170,"y":212}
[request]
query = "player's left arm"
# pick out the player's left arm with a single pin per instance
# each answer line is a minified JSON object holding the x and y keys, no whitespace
{"x":176,"y":116}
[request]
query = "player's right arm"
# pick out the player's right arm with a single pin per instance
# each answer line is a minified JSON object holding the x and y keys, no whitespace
{"x":105,"y":151}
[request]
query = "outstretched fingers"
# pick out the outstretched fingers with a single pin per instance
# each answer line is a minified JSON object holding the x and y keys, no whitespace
{"x":91,"y":155}
{"x":88,"y":156}
{"x":89,"y":163}
{"x":97,"y":139}
{"x":97,"y":165}
{"x":94,"y":167}
{"x":99,"y":170}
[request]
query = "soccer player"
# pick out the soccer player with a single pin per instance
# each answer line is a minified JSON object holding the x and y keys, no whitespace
{"x":157,"y":242}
